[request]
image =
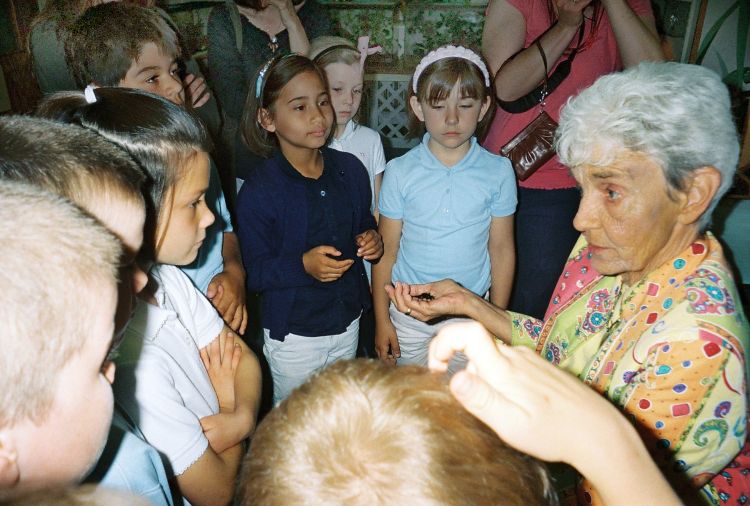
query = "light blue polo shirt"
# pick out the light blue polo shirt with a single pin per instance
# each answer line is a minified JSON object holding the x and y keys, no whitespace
{"x":446,"y":213}
{"x":210,"y":260}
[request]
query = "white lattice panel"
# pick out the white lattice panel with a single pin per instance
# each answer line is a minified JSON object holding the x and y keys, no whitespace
{"x":387,"y":112}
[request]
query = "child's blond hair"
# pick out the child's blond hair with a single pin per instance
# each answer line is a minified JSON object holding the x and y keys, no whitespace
{"x":361,"y":432}
{"x":56,"y":261}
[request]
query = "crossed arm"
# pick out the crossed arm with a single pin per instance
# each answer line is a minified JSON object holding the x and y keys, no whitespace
{"x":235,"y":375}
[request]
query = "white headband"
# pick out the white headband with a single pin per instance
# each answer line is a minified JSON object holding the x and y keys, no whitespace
{"x":88,"y":93}
{"x":450,"y":52}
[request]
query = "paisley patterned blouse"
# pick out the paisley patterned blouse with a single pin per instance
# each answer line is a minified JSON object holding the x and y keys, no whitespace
{"x":668,"y":351}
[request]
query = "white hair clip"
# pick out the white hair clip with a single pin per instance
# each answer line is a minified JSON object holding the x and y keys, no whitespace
{"x":89,"y":94}
{"x":450,"y":52}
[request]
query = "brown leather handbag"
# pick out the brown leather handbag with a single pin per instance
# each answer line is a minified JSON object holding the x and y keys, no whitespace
{"x":533,"y":146}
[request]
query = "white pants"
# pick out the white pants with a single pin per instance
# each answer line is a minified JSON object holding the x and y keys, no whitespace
{"x":299,"y":357}
{"x":414,"y":338}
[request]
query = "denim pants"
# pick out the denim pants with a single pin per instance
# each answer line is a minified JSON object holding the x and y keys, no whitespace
{"x":544,"y":238}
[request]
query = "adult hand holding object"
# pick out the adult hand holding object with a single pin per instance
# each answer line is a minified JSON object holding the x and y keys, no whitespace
{"x":548,"y":413}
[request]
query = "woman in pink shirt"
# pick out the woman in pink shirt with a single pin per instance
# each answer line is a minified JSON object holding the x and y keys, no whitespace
{"x":616,"y":34}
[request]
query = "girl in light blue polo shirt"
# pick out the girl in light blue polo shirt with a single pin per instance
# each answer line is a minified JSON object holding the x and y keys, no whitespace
{"x":446,"y":206}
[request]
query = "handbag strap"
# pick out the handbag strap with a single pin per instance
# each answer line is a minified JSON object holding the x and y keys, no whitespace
{"x":538,"y":94}
{"x":545,"y":85}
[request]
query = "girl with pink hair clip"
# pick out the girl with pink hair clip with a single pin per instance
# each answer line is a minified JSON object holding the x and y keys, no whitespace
{"x":344,"y":66}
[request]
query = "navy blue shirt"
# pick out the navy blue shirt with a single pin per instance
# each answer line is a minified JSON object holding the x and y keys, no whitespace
{"x":327,"y":308}
{"x":277,"y":225}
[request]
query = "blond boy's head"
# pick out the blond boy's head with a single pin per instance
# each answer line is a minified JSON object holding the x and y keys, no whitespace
{"x":93,"y":173}
{"x":118,"y":44}
{"x":70,"y":161}
{"x":56,"y":322}
{"x":364,"y":433}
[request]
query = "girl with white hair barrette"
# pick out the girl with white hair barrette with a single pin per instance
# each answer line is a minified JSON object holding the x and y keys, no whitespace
{"x":446,"y":207}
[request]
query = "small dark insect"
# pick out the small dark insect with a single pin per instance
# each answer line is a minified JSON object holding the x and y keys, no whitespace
{"x":424,"y":296}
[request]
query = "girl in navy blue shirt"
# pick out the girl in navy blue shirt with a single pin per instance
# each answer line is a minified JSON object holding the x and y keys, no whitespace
{"x":305,"y":225}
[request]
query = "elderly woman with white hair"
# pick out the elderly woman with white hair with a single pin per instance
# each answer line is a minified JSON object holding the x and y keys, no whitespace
{"x":645,"y":312}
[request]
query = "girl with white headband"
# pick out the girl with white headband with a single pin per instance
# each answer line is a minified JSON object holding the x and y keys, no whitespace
{"x":446,"y":207}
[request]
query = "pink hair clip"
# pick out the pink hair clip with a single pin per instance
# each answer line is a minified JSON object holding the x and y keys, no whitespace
{"x":363,"y":45}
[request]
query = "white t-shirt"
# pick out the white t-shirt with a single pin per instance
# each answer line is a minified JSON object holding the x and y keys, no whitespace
{"x":365,"y":144}
{"x":160,"y":380}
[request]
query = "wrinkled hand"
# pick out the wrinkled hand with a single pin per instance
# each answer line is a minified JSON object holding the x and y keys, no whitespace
{"x":196,"y":90}
{"x":319,"y":264}
{"x":370,"y":245}
{"x":227,"y":293}
{"x":532,"y":405}
{"x":449,"y":298}
{"x":386,"y":343}
{"x":221,"y":364}
{"x":570,"y":12}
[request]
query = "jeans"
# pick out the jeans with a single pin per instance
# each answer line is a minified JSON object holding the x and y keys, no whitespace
{"x":544,"y":238}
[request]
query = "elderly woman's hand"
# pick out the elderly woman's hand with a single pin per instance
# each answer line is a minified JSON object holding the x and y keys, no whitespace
{"x":426,"y":302}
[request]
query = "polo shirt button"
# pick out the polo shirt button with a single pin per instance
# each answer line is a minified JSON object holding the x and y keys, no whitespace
{"x":322,"y":193}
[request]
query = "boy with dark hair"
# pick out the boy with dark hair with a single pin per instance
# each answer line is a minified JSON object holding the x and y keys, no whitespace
{"x":56,"y":327}
{"x":123,"y":45}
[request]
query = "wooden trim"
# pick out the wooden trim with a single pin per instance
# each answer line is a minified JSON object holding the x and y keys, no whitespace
{"x":698,"y":31}
{"x":745,"y":141}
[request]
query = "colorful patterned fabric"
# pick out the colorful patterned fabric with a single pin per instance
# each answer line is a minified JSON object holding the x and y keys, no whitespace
{"x":668,"y":351}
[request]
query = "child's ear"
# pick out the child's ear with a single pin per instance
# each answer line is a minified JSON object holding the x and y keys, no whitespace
{"x":416,"y":107}
{"x":485,"y":107}
{"x":265,"y":119}
{"x":9,"y":473}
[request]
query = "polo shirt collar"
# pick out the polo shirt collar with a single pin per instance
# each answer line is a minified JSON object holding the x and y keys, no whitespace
{"x":148,"y":319}
{"x":348,"y":132}
{"x":429,"y":161}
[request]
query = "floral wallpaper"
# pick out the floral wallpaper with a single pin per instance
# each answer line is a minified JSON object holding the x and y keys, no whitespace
{"x":402,"y":27}
{"x":412,"y":28}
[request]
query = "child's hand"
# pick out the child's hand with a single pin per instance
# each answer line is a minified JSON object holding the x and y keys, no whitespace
{"x":386,"y":342}
{"x":319,"y":264}
{"x":196,"y":90}
{"x":370,"y":245}
{"x":221,"y":365}
{"x":227,"y":293}
{"x":225,"y":430}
